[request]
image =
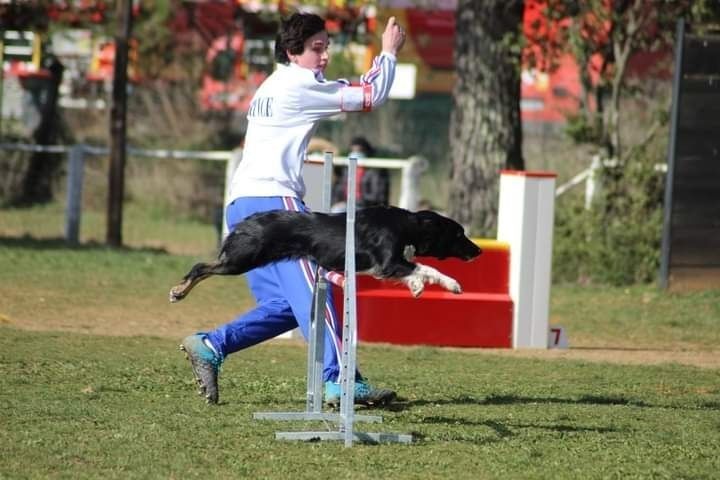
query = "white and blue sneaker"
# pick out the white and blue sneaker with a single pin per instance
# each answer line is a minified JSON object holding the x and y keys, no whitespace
{"x":364,"y":394}
{"x":205,"y":363}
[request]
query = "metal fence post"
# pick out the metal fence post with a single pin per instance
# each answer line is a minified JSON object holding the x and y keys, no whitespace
{"x":73,"y":212}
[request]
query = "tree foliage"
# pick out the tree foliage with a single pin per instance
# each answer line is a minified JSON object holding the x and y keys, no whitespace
{"x":603,"y":36}
{"x":618,"y":240}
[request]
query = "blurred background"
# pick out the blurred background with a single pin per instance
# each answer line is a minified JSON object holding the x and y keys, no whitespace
{"x":193,"y":67}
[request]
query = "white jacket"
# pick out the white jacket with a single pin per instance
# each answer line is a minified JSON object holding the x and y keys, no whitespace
{"x":283,"y":116}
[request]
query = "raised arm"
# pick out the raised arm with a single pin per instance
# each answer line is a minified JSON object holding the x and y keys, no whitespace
{"x":321,"y":99}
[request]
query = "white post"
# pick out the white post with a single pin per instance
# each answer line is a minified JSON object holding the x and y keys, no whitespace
{"x":525,"y":221}
{"x":316,"y":346}
{"x":349,"y":338}
{"x":73,"y":209}
{"x":591,"y":183}
{"x":230,"y":167}
{"x":410,"y":184}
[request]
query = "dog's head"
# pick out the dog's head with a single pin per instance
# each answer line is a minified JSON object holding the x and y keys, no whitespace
{"x":442,"y":237}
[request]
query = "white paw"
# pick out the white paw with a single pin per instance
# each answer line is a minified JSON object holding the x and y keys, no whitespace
{"x":409,"y":252}
{"x":416,"y":287}
{"x":452,"y":286}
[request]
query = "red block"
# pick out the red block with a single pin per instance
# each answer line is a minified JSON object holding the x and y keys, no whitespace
{"x":479,"y":317}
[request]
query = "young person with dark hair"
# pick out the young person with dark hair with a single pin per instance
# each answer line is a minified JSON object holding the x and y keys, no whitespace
{"x":281,"y":120}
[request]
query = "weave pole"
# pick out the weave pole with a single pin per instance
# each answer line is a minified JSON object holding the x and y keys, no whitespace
{"x":316,"y":343}
{"x":349,"y":337}
{"x":348,"y":365}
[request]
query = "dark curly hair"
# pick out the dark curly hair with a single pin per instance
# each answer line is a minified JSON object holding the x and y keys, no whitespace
{"x":293,"y":33}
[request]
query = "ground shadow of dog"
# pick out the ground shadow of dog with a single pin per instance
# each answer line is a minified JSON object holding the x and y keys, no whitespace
{"x":501,"y":430}
{"x":402,"y":404}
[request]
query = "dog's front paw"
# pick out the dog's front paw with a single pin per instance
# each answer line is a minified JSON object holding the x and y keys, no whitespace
{"x":416,"y":287}
{"x":409,"y":252}
{"x":453,"y":286}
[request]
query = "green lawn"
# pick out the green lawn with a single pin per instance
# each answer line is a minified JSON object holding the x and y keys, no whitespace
{"x":79,"y":406}
{"x":96,"y":388}
{"x":143,"y":227}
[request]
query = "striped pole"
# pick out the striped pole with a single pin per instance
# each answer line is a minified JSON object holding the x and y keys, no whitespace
{"x":349,"y":341}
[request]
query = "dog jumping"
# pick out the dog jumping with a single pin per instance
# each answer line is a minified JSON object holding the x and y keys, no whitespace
{"x":386,"y":241}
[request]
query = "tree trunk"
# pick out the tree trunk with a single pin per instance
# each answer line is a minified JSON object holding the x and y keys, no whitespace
{"x":118,"y":126}
{"x":622,"y":44}
{"x":485,"y":126}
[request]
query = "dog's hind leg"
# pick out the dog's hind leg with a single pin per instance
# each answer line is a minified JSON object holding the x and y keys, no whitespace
{"x":424,"y":274}
{"x":199,"y":272}
{"x":237,"y":256}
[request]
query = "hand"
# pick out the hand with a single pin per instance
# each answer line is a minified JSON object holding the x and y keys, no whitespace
{"x":393,"y":38}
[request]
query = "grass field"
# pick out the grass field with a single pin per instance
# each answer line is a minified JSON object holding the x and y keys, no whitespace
{"x":95,"y":386}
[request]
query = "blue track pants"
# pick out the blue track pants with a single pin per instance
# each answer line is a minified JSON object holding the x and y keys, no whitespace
{"x":283,"y":293}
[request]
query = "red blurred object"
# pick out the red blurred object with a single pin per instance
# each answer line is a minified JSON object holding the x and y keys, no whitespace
{"x":207,"y":19}
{"x":433,"y":33}
{"x":103,"y":63}
{"x":481,"y":316}
{"x":550,"y":88}
{"x":24,"y":70}
{"x":79,"y":13}
{"x":234,"y":87}
{"x":550,"y":97}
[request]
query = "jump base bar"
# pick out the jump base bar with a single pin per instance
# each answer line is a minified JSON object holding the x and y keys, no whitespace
{"x":363,"y":437}
{"x":325,"y":416}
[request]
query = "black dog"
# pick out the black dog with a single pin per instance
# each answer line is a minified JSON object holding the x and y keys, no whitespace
{"x":386,"y":240}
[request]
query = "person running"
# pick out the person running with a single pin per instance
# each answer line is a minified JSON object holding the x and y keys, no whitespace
{"x":282,"y":117}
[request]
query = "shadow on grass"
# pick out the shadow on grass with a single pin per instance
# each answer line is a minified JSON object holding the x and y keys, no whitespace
{"x":500,"y":431}
{"x":503,"y":430}
{"x":58,"y":243}
{"x":402,"y":405}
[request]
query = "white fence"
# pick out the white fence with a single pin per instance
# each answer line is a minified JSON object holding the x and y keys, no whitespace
{"x":590,"y":177}
{"x":411,"y":169}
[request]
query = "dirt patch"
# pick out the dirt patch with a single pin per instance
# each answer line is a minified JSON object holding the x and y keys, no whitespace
{"x":629,"y":355}
{"x":177,"y":322}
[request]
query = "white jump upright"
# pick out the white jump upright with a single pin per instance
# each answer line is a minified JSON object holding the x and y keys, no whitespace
{"x":525,"y":222}
{"x":316,"y":342}
{"x":316,"y":339}
{"x":349,"y":336}
{"x":313,"y":407}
